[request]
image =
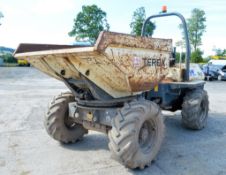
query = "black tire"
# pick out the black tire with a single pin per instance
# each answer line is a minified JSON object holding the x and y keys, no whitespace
{"x":57,"y":123}
{"x":210,"y":79}
{"x":195,"y":109}
{"x":126,"y":143}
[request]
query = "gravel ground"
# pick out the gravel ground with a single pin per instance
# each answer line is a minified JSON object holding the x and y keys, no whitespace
{"x":25,"y":147}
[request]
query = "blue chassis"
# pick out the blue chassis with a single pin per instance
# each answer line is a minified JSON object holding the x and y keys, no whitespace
{"x":170,"y":95}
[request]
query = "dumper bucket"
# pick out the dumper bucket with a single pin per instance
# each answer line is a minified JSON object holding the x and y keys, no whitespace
{"x":120,"y":64}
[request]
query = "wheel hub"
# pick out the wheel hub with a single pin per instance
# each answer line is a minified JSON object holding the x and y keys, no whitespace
{"x":147,"y":136}
{"x":203,"y":110}
{"x":144,"y":134}
{"x":69,"y":122}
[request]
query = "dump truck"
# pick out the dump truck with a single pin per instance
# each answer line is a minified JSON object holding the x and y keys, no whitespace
{"x":119,"y":87}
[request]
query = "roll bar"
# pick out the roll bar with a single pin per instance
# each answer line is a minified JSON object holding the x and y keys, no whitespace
{"x":188,"y":49}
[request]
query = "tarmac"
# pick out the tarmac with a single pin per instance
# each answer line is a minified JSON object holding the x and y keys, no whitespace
{"x":26,"y":148}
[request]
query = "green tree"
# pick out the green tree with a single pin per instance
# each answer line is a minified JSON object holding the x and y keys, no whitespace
{"x":220,"y":52}
{"x":89,"y":23}
{"x":196,"y":56}
{"x":196,"y":27}
{"x":138,"y":19}
{"x":8,"y":58}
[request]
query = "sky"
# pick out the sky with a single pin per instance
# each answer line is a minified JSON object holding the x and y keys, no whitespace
{"x":49,"y":21}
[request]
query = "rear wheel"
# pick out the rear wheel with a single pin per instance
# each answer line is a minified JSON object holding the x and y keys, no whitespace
{"x":57,"y":123}
{"x":195,"y":109}
{"x":209,"y":78}
{"x":137,"y":133}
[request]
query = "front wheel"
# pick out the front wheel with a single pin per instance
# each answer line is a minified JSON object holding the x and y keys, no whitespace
{"x":195,"y":109}
{"x":137,"y":133}
{"x":58,"y":124}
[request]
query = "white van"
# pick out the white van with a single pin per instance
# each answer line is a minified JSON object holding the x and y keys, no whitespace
{"x":217,"y":62}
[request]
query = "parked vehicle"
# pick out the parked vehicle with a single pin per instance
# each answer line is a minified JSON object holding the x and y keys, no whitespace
{"x":214,"y":72}
{"x":23,"y":62}
{"x":217,"y":62}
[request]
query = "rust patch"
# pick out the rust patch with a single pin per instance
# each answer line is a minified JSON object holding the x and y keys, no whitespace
{"x":138,"y":84}
{"x":106,"y":39}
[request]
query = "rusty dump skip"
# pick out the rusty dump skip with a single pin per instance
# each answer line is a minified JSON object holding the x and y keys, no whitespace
{"x":120,"y":64}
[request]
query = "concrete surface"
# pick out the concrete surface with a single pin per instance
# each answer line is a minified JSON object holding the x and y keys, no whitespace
{"x":25,"y":147}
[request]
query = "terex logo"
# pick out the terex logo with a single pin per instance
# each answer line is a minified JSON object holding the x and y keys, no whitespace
{"x":152,"y":62}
